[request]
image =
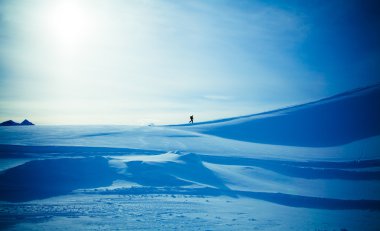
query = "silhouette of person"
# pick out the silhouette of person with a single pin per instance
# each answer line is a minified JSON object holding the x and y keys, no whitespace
{"x":191,"y":119}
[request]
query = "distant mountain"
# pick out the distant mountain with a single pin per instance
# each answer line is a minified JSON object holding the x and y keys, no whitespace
{"x":9,"y":123}
{"x":26,"y":122}
{"x":12,"y":123}
{"x":332,"y":121}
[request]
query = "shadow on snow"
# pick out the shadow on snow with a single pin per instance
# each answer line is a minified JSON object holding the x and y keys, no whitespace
{"x":39,"y":179}
{"x":333,"y":121}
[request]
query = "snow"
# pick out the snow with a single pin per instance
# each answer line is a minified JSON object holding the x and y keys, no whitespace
{"x":171,"y":139}
{"x":165,"y":157}
{"x":333,"y":121}
{"x":153,"y":212}
{"x":198,"y":177}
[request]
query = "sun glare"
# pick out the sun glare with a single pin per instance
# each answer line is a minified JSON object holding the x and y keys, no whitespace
{"x":69,"y":25}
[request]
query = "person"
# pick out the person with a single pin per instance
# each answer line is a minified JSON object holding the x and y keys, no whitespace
{"x":191,"y":119}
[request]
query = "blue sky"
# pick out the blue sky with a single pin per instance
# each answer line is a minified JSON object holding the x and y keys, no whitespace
{"x":140,"y":62}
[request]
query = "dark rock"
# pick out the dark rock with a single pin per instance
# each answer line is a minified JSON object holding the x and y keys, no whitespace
{"x":12,"y":123}
{"x":9,"y":123}
{"x":26,"y":122}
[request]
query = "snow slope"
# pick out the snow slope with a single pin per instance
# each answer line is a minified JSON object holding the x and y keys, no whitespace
{"x":207,"y":176}
{"x":333,"y":121}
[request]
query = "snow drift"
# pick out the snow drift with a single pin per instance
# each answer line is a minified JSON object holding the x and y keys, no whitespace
{"x":189,"y":174}
{"x":333,"y":121}
{"x":118,"y":176}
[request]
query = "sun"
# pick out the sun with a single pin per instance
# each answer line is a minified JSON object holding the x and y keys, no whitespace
{"x":69,"y":25}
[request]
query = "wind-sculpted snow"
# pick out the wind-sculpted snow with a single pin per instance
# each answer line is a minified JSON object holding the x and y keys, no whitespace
{"x":40,"y":179}
{"x":337,"y":120}
{"x":206,"y":176}
{"x":42,"y":175}
{"x":188,"y":170}
{"x":192,"y":174}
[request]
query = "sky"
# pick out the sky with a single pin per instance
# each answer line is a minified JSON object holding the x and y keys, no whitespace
{"x":147,"y":61}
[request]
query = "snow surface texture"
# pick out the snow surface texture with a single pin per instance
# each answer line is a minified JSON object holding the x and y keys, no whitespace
{"x":246,"y":173}
{"x":332,"y":121}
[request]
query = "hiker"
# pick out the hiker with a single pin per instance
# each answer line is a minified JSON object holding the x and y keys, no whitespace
{"x":191,"y":119}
